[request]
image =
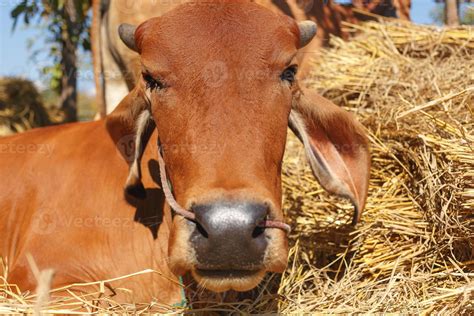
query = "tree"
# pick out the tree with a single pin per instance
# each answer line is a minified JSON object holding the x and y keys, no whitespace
{"x":452,"y":12}
{"x":68,"y":26}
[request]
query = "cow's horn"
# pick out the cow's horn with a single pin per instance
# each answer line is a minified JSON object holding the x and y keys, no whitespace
{"x":307,"y":32}
{"x":127,"y":35}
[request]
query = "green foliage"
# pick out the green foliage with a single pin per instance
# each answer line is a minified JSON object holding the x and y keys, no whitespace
{"x":55,"y":73}
{"x":466,"y":14}
{"x":58,"y":24}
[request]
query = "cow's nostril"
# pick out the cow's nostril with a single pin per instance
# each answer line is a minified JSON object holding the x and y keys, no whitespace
{"x":227,"y":235}
{"x":201,"y":230}
{"x":258,"y":231}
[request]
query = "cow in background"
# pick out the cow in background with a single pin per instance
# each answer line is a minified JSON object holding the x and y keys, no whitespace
{"x":387,"y":8}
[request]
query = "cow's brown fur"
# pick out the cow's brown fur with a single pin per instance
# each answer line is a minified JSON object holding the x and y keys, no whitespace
{"x":221,"y":140}
{"x":116,"y":68}
{"x":62,"y":202}
{"x":121,"y":67}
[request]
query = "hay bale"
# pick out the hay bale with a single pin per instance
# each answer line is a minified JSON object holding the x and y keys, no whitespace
{"x":21,"y":106}
{"x":413,"y":252}
{"x":413,"y":89}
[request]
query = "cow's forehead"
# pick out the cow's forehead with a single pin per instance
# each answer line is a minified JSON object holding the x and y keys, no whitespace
{"x":240,"y":33}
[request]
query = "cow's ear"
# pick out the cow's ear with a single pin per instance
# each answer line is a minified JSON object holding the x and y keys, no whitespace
{"x":130,"y":126}
{"x":336,"y":146}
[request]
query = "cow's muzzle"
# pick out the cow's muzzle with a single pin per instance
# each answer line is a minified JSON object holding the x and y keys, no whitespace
{"x":227,"y":238}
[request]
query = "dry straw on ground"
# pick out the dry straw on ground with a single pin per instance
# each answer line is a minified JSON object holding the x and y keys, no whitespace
{"x":413,"y":89}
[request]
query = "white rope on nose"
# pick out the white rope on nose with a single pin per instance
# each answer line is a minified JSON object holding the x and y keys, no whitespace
{"x":190,"y":215}
{"x":167,"y":191}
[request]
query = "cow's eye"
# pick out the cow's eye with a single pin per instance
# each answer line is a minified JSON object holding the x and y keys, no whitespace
{"x":289,"y":74}
{"x":152,"y":83}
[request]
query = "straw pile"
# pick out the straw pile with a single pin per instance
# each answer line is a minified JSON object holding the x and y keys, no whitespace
{"x":413,"y":89}
{"x":21,"y":107}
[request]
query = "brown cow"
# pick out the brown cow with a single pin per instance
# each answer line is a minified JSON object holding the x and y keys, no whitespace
{"x":61,"y":194}
{"x":116,"y":68}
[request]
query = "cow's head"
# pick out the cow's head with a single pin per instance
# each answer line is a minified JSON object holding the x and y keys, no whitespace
{"x":219,"y":83}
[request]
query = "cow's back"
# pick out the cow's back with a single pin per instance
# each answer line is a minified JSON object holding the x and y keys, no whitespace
{"x":61,"y":200}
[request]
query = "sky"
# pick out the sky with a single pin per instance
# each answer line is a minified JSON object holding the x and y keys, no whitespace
{"x":25,"y":52}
